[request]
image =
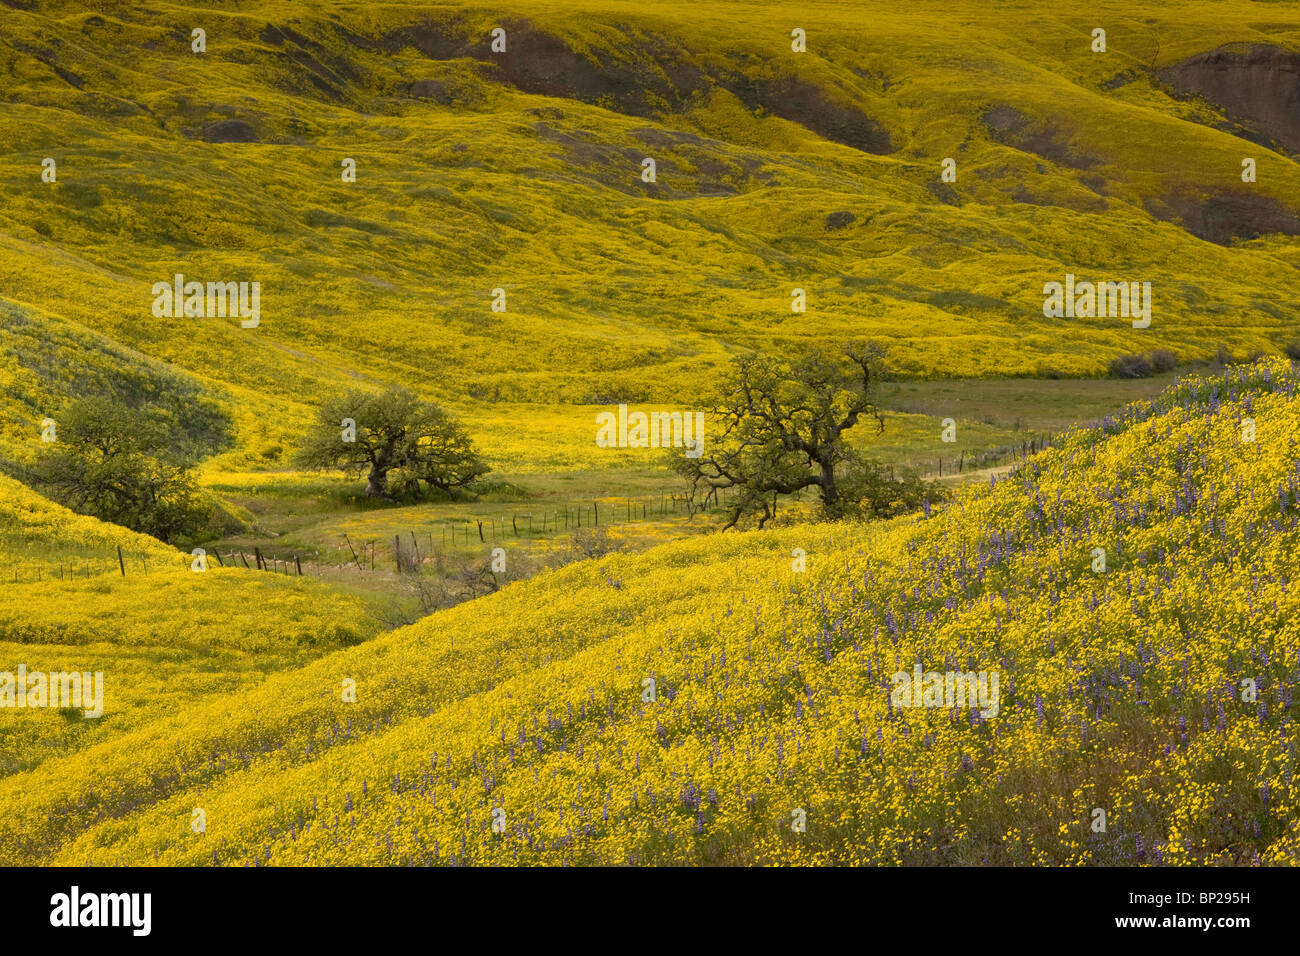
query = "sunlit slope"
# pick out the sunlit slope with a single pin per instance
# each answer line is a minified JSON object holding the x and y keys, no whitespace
{"x":164,"y":643}
{"x":35,"y":529}
{"x":45,"y":361}
{"x":522,"y":171}
{"x":165,"y":636}
{"x":1120,"y":689}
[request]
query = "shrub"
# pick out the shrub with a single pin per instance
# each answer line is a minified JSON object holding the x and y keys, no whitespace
{"x":839,"y":220}
{"x":590,"y":543}
{"x":1163,"y":360}
{"x":874,"y":490}
{"x":1130,"y":366}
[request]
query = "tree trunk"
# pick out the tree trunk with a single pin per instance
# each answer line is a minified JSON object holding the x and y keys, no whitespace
{"x":830,"y":493}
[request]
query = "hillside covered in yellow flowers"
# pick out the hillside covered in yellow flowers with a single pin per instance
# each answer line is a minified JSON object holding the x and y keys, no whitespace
{"x":522,"y":171}
{"x":532,"y":214}
{"x":472,"y":739}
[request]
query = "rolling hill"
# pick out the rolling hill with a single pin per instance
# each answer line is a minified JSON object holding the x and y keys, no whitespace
{"x":1121,"y":690}
{"x":522,"y":171}
{"x":914,"y":173}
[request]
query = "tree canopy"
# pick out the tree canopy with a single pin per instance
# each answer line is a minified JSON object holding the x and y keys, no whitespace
{"x":398,"y":441}
{"x":114,"y":462}
{"x":779,"y":427}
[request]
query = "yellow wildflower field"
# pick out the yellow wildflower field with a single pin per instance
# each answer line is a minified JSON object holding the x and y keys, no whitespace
{"x":521,"y":728}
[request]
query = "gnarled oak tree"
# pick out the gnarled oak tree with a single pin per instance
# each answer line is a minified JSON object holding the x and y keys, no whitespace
{"x":778,"y":428}
{"x":377,"y":434}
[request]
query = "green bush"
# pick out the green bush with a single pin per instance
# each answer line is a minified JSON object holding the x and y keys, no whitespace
{"x":874,"y":490}
{"x":116,"y":464}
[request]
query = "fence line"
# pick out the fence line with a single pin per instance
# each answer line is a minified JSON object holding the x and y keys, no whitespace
{"x":464,"y":531}
{"x":1008,"y":454}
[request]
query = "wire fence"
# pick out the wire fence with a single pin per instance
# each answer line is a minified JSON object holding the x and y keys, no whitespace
{"x":36,"y":563}
{"x":941,"y":467}
{"x":409,"y":549}
{"x":33,"y":562}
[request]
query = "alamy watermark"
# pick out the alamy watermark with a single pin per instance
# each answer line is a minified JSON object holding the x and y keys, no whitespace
{"x":1086,"y":300}
{"x":651,"y":430}
{"x":178,"y":298}
{"x":61,"y":689}
{"x":75,"y":908}
{"x":948,"y":689}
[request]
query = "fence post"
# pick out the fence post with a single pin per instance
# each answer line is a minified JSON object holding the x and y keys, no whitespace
{"x":120,"y":563}
{"x":354,"y":553}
